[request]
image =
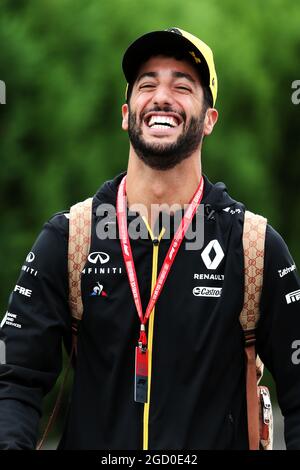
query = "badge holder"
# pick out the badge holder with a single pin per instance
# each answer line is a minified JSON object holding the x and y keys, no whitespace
{"x":141,"y":374}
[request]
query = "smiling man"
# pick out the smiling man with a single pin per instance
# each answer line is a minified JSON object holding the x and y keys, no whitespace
{"x":171,"y":90}
{"x":167,"y":113}
{"x":160,"y":349}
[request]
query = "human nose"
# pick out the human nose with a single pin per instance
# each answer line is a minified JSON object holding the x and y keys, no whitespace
{"x":162,"y":96}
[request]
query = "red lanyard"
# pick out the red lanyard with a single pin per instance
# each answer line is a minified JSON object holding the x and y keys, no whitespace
{"x":168,"y":261}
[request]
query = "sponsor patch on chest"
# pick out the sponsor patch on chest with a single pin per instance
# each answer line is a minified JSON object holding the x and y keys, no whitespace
{"x":204,"y":291}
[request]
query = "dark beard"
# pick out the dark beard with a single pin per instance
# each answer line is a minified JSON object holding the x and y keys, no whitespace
{"x":166,"y":156}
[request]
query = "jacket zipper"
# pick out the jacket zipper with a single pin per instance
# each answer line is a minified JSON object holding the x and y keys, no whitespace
{"x":156,"y":242}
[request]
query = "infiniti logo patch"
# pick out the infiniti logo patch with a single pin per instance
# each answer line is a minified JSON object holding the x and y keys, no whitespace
{"x":98,"y":256}
{"x":30,"y":257}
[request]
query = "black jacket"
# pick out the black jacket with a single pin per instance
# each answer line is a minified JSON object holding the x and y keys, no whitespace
{"x":197,"y":396}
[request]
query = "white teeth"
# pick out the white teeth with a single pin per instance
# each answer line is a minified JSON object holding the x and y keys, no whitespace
{"x":159,"y":122}
{"x":158,"y":126}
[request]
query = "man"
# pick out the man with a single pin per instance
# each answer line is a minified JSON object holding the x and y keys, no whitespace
{"x":188,"y":334}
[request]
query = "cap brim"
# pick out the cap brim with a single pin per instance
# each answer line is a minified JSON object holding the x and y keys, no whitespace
{"x":155,"y":43}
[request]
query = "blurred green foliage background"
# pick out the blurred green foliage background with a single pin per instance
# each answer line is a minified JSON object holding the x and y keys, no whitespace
{"x":60,"y":129}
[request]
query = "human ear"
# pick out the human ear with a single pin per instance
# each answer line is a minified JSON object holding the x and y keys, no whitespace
{"x":125,"y":117}
{"x":210,"y":120}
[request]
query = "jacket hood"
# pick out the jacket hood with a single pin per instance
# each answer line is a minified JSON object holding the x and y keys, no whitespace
{"x":215,"y":196}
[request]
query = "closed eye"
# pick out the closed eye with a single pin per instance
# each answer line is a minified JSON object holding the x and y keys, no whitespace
{"x":181,"y":87}
{"x":147,"y":85}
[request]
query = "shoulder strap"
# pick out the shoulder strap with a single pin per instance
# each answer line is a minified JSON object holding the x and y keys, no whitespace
{"x":80,"y":221}
{"x":254,"y":233}
{"x":254,"y":246}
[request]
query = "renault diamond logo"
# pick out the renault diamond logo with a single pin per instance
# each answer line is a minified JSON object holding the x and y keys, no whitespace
{"x":212,"y":255}
{"x":98,"y":256}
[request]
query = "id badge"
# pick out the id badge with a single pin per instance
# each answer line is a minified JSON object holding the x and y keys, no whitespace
{"x":141,"y":376}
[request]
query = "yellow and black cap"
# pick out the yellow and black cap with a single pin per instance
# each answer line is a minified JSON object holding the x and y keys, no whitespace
{"x":166,"y":41}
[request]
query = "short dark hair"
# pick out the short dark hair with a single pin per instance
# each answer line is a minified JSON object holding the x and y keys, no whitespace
{"x":178,"y":55}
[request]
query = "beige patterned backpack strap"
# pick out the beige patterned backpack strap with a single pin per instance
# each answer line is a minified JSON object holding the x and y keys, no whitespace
{"x":80,"y":221}
{"x":254,"y":233}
